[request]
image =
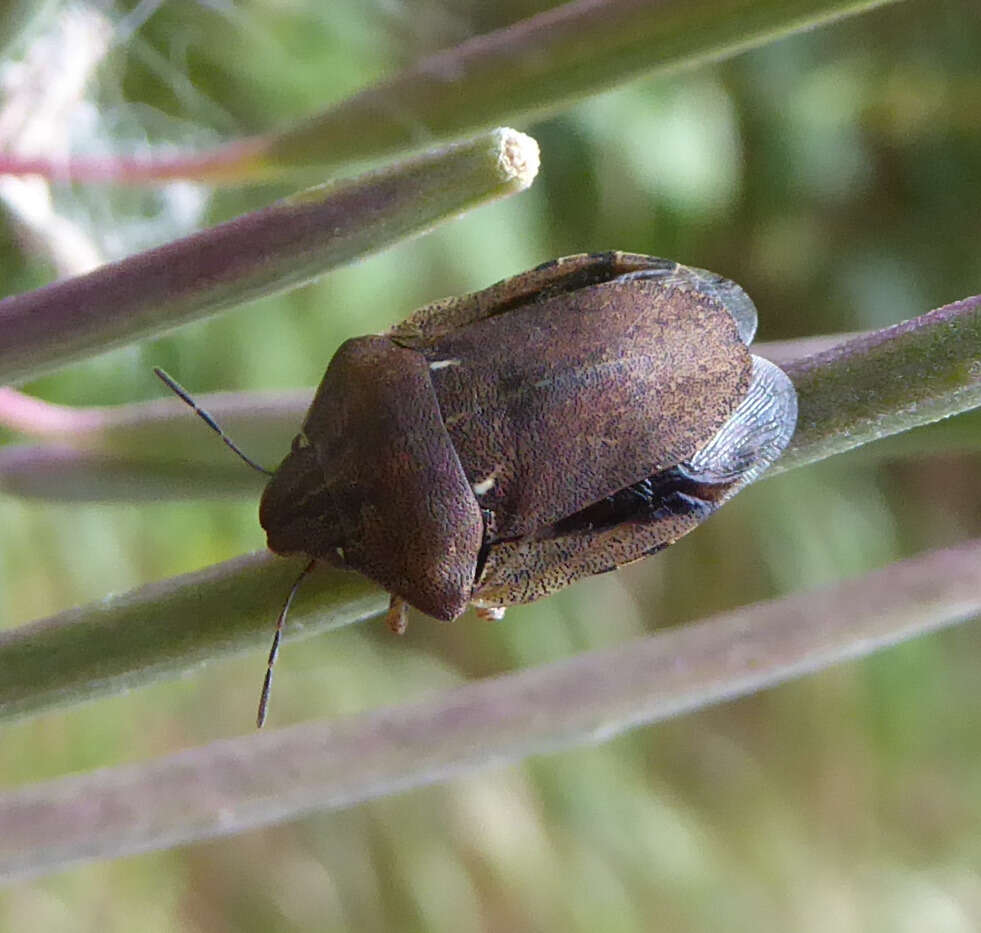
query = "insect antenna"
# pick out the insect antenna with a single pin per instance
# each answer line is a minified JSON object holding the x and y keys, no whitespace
{"x":185,"y":397}
{"x":274,"y":650}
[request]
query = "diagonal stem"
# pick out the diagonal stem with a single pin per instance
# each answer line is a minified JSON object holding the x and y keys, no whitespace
{"x":243,"y":783}
{"x":523,"y":71}
{"x":258,"y":254}
{"x":886,"y":382}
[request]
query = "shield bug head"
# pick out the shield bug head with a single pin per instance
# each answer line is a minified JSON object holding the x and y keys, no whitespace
{"x":493,"y":448}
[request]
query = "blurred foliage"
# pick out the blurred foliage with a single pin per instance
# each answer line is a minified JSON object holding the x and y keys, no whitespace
{"x":834,"y":175}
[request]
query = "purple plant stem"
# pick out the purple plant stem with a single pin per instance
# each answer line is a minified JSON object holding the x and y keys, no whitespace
{"x":528,"y":69}
{"x":281,"y":246}
{"x":887,"y":381}
{"x":239,"y":784}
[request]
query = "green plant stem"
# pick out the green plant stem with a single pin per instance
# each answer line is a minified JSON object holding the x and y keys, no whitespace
{"x":540,"y":65}
{"x":161,"y":629}
{"x":886,"y":382}
{"x":282,"y":246}
{"x":239,"y":784}
{"x":527,"y":70}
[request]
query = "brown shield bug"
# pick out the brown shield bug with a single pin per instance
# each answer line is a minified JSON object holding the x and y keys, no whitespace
{"x":494,"y":448}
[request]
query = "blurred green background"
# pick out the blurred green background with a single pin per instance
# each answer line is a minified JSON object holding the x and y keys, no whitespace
{"x":836,"y":175}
